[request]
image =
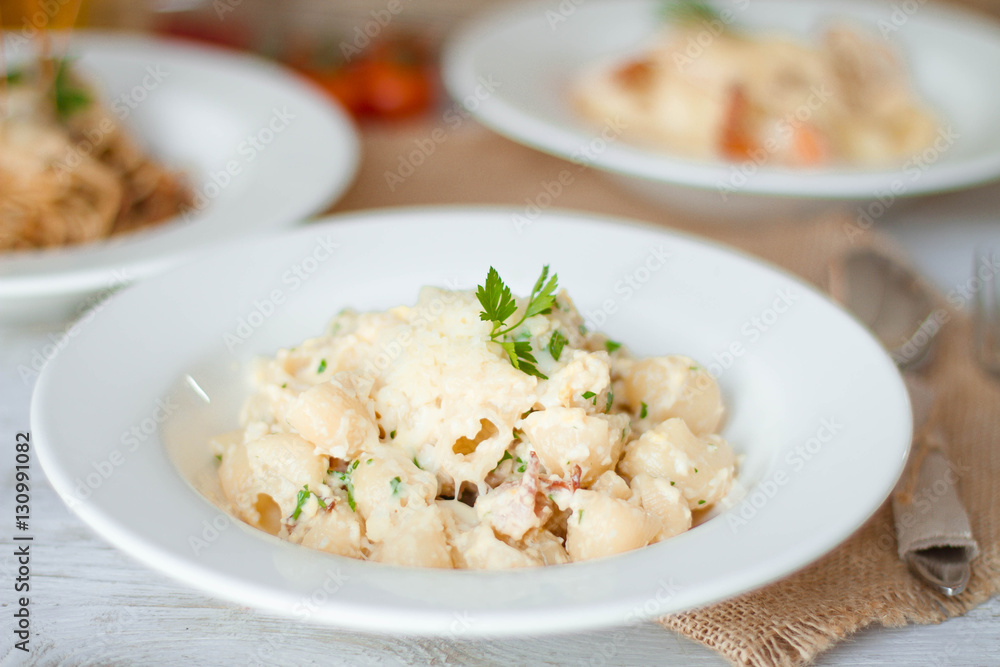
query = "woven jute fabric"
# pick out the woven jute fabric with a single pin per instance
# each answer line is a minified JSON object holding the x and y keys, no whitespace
{"x":862,"y":582}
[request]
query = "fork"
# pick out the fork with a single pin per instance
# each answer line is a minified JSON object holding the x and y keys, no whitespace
{"x":986,"y":315}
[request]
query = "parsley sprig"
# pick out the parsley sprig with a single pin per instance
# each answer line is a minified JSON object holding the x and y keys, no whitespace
{"x":499,"y":306}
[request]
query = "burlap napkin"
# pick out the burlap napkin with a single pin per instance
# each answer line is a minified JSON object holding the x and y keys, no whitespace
{"x":862,"y":582}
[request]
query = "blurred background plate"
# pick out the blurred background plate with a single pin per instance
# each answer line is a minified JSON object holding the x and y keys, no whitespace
{"x":533,"y":52}
{"x":200,"y":110}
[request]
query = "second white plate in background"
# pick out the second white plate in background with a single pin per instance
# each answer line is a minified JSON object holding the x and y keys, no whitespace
{"x":260,"y":147}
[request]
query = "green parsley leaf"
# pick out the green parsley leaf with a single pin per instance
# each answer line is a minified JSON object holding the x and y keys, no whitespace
{"x":355,"y":464}
{"x":369,"y":461}
{"x":395,"y":483}
{"x":672,"y":483}
{"x":218,"y":457}
{"x":696,"y":470}
{"x":701,"y":502}
{"x":15,"y":76}
{"x":579,"y":516}
{"x":416,"y":462}
{"x":322,"y":366}
{"x":284,"y":385}
{"x":556,"y":344}
{"x":644,"y":411}
{"x":69,"y":97}
{"x":611,"y":399}
{"x":499,"y":305}
{"x":392,"y":434}
{"x":496,"y":299}
{"x":300,"y":500}
{"x":523,"y":466}
{"x":590,"y":396}
{"x":611,"y":346}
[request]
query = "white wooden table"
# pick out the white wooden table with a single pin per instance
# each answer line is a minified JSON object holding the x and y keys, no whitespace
{"x":92,"y":605}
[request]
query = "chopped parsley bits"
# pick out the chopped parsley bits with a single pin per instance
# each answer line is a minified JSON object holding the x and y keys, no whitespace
{"x":611,"y":346}
{"x":644,"y":411}
{"x":416,"y":462}
{"x":322,"y":366}
{"x":284,"y":385}
{"x":696,"y":470}
{"x":302,"y":498}
{"x":694,"y":368}
{"x":218,"y":457}
{"x":611,"y":400}
{"x":355,"y":464}
{"x":672,"y":483}
{"x":556,"y":344}
{"x":395,"y":483}
{"x":392,"y":434}
{"x":369,"y":461}
{"x":590,"y":396}
{"x":579,"y":516}
{"x":345,"y":479}
{"x":701,"y":502}
{"x":523,"y":465}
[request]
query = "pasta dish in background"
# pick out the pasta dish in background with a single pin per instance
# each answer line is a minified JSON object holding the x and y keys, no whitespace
{"x":69,"y":171}
{"x":475,"y":430}
{"x":709,"y":90}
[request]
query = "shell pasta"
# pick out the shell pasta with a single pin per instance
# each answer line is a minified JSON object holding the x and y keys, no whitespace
{"x":475,"y":430}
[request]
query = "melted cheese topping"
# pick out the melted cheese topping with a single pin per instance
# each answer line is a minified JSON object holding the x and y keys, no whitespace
{"x":407,"y":437}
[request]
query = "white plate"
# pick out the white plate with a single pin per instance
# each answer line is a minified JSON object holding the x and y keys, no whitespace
{"x":531,"y":53}
{"x":194,"y":116}
{"x":815,"y":405}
